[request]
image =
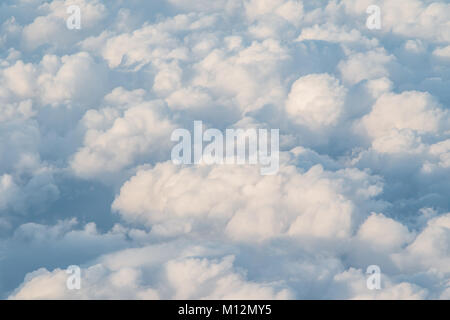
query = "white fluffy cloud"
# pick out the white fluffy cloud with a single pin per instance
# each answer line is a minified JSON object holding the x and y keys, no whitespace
{"x":316,"y":101}
{"x":416,"y":111}
{"x":115,"y":138}
{"x":366,"y":66}
{"x":153,"y":272}
{"x":411,"y":18}
{"x":55,"y":80}
{"x":430,"y":250}
{"x":315,"y":203}
{"x":384,"y":233}
{"x":85,"y":123}
{"x":49,"y":27}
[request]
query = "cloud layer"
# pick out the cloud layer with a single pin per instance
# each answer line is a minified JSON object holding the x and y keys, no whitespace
{"x":86,"y":178}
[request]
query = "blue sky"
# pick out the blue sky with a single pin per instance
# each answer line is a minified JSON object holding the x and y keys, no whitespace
{"x":86,"y":176}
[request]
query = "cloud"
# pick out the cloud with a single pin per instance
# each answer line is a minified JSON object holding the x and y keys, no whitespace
{"x":315,"y":203}
{"x":351,"y":285}
{"x":383,"y":233}
{"x":430,"y":248}
{"x":182,"y":277}
{"x":316,"y":101}
{"x":116,"y":138}
{"x":86,"y":178}
{"x":366,"y":66}
{"x":50,"y":26}
{"x":335,"y":34}
{"x":416,"y":111}
{"x":443,"y":52}
{"x":412,"y":18}
{"x":55,"y":80}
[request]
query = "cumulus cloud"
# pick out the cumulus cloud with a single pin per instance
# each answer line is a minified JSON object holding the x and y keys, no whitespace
{"x":49,"y":27}
{"x":115,"y":137}
{"x":417,"y":111}
{"x":128,"y":272}
{"x":85,"y":123}
{"x":316,"y":101}
{"x":384,"y":233}
{"x":315,"y":203}
{"x":55,"y":80}
{"x":431,"y":247}
{"x":366,"y":66}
